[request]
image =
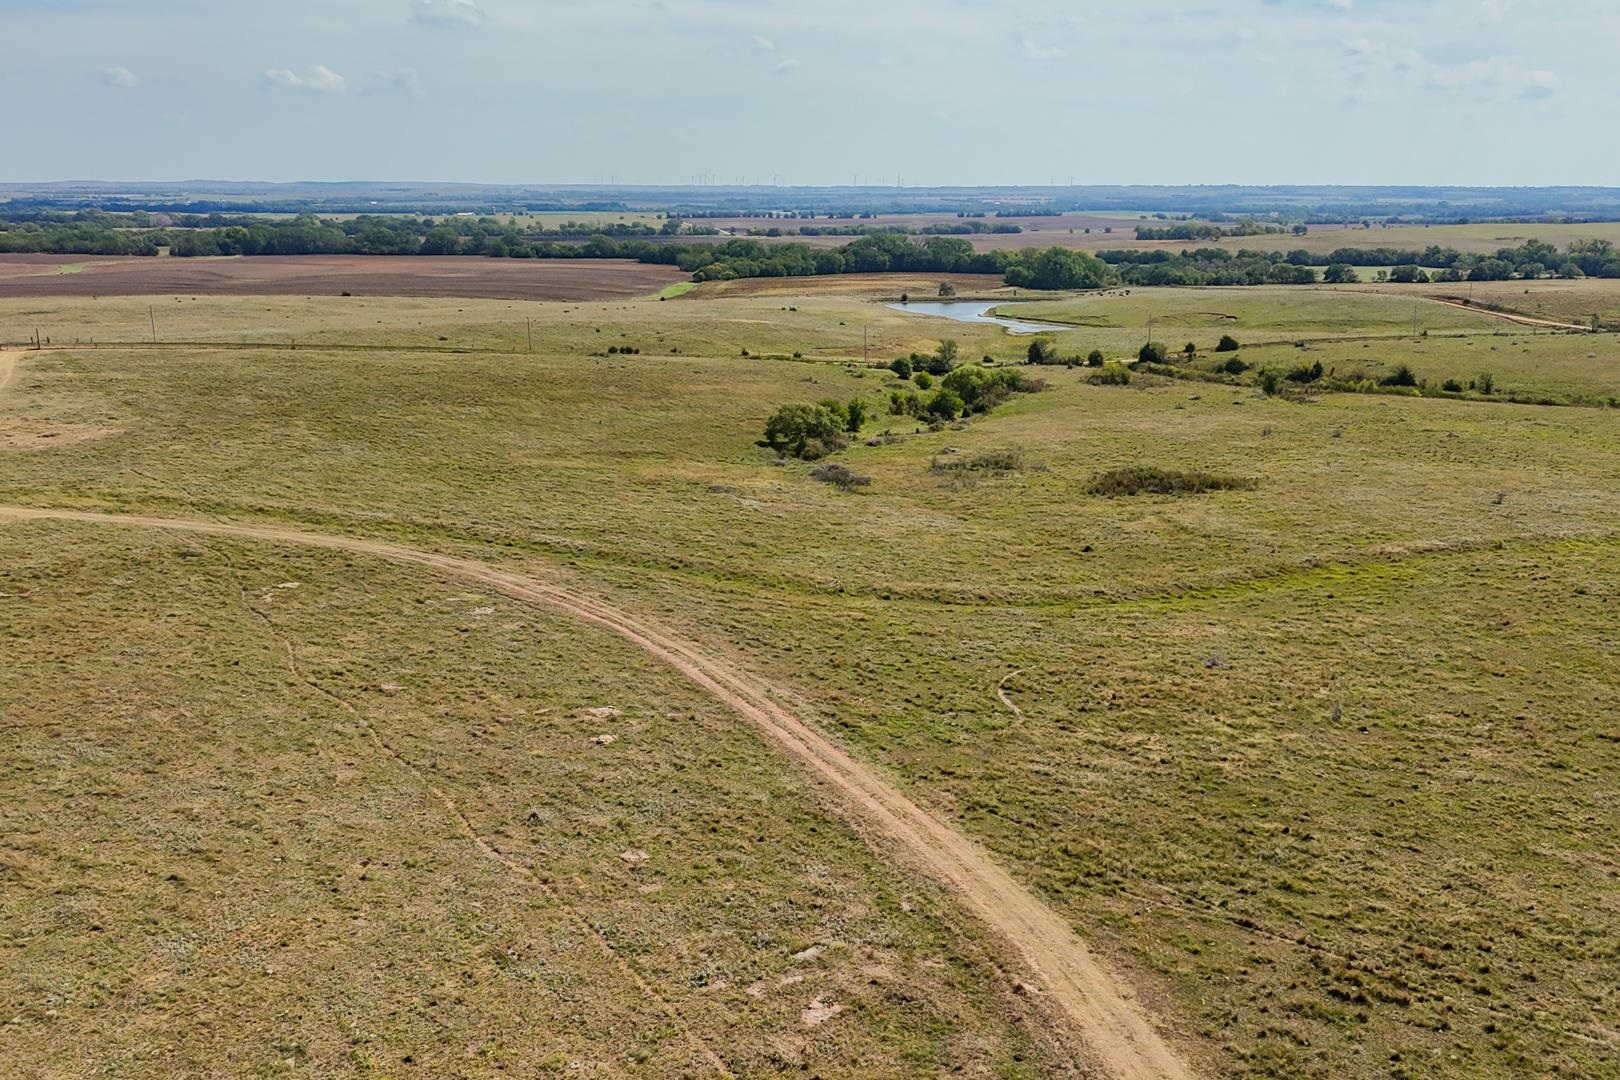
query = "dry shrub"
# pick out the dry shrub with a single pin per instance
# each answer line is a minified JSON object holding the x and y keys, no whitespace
{"x":839,"y":476}
{"x":1148,"y":480}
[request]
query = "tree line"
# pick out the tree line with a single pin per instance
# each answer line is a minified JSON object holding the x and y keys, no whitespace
{"x":1198,"y":231}
{"x":99,"y":233}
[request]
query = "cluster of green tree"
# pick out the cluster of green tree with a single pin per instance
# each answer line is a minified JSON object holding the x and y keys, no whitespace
{"x":1194,"y":231}
{"x":966,"y":228}
{"x":961,"y":392}
{"x":948,"y":228}
{"x":1206,"y":266}
{"x":1532,"y":259}
{"x":1401,"y":380}
{"x":1056,"y":268}
{"x":64,"y":238}
{"x":810,"y":432}
{"x":1043,"y":353}
{"x":878,"y":253}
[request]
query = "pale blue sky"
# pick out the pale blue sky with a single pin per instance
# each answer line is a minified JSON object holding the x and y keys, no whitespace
{"x":823,"y":92}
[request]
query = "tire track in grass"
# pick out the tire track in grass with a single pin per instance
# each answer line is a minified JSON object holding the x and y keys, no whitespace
{"x":488,"y":850}
{"x":1104,"y":1009}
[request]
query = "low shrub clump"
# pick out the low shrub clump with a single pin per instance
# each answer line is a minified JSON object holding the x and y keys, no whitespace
{"x":1110,"y":375}
{"x":840,"y":476}
{"x":991,"y":461}
{"x":1148,"y":480}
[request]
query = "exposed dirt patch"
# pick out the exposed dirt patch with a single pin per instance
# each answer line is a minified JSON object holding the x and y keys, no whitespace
{"x":818,"y":1012}
{"x":328,"y":275}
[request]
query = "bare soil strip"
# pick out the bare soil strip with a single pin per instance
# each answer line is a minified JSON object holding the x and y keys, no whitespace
{"x":1001,"y":692}
{"x":1523,"y":320}
{"x":1114,"y":1026}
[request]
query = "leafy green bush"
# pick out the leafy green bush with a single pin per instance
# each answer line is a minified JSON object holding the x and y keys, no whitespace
{"x":1148,"y":480}
{"x":1228,"y":343}
{"x":855,"y":413}
{"x":901,"y":367}
{"x":1095,"y":359}
{"x":1043,"y":351}
{"x":1401,"y":376}
{"x":1233,"y":366}
{"x":1270,"y":383}
{"x":1152,"y":353}
{"x":1306,"y":374}
{"x":805,"y":431}
{"x":905,"y":403}
{"x":946,"y":404}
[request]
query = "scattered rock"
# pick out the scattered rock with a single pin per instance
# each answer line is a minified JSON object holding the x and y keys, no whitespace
{"x":809,"y":954}
{"x":604,"y":739}
{"x":288,"y":585}
{"x":634,"y":856}
{"x":606,"y":712}
{"x":480,"y":612}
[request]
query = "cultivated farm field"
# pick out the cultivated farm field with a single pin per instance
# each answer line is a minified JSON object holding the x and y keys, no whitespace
{"x":1322,"y":768}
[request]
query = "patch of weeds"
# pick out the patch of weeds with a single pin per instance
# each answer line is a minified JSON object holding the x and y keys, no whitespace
{"x":1148,"y":480}
{"x":840,"y":476}
{"x":1006,"y":460}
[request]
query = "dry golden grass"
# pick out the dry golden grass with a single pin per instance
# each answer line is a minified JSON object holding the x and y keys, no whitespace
{"x":229,"y":850}
{"x":1328,"y":765}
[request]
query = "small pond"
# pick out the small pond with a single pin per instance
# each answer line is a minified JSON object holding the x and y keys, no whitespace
{"x":980,"y":312}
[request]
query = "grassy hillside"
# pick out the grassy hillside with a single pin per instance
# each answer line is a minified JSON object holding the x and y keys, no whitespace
{"x":1326,"y":764}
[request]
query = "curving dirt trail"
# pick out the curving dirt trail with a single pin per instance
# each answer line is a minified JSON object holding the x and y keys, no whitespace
{"x":8,"y":368}
{"x":1114,"y":1026}
{"x":1522,"y":320}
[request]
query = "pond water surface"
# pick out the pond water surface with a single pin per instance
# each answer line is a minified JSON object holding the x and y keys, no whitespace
{"x":980,"y":312}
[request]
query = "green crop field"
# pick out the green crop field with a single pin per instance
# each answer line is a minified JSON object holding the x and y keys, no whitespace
{"x":1323,"y":766}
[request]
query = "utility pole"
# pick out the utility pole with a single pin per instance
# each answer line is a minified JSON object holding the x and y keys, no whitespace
{"x":151,"y":318}
{"x":1150,"y":330}
{"x":866,"y":344}
{"x":530,"y":323}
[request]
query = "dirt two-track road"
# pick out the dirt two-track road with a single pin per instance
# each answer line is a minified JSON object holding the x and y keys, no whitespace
{"x":1116,"y":1029}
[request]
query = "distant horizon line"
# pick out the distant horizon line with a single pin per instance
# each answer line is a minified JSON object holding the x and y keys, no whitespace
{"x":704,"y":186}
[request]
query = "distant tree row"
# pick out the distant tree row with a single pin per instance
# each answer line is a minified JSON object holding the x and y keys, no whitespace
{"x":1206,"y":266}
{"x":1199,"y":231}
{"x":886,"y":250}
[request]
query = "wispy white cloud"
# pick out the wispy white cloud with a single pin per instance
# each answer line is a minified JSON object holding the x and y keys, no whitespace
{"x":120,"y":78}
{"x":1037,"y":51}
{"x":1390,"y":69}
{"x":405,"y":80}
{"x":448,"y":14}
{"x":786,"y":67}
{"x":318,"y":80}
